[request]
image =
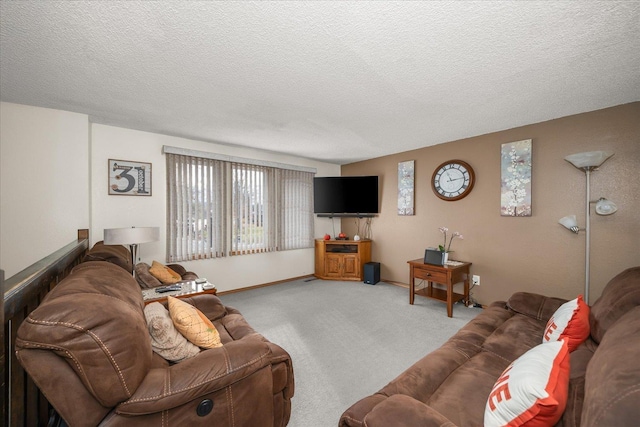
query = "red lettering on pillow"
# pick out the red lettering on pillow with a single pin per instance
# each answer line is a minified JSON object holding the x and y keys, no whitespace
{"x":501,"y":390}
{"x":551,"y":326}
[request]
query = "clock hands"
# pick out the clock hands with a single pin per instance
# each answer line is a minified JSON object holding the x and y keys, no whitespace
{"x":449,"y":179}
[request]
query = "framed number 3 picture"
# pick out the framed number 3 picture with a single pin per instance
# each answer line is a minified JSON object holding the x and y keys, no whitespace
{"x":127,"y":178}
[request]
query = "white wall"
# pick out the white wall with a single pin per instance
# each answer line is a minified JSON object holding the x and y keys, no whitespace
{"x":108,"y":142}
{"x":44,"y":182}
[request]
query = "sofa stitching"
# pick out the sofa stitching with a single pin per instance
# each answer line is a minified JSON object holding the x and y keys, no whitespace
{"x":464,"y":353}
{"x":497,"y":355}
{"x":95,"y":337}
{"x":233,"y":418}
{"x":630,"y":390}
{"x":227,"y":361}
{"x":481,"y":348}
{"x":69,"y":355}
{"x":144,"y":399}
{"x":55,"y":347}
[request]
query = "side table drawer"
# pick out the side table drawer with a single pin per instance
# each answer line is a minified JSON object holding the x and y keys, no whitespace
{"x":432,"y":276}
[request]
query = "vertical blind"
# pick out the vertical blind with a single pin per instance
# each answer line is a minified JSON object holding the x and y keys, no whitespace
{"x":296,"y":208}
{"x":196,"y":206}
{"x":218,"y":208}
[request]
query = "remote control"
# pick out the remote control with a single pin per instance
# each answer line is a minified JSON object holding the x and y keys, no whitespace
{"x":168,"y":289}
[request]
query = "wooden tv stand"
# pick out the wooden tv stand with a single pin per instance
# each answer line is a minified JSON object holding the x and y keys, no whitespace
{"x":342,"y":259}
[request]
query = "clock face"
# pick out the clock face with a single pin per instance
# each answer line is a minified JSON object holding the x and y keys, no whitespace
{"x":452,"y":180}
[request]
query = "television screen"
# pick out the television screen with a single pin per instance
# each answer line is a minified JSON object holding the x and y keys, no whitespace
{"x":345,"y":195}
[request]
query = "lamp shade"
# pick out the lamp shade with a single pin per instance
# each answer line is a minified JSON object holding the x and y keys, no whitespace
{"x":570,"y":223}
{"x":131,"y":235}
{"x":605,"y":207}
{"x":588,"y":159}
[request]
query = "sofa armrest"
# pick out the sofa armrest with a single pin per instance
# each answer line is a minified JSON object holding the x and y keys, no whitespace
{"x":210,"y":305}
{"x":400,"y":410}
{"x":144,"y":278}
{"x":210,"y":371}
{"x":537,"y":306}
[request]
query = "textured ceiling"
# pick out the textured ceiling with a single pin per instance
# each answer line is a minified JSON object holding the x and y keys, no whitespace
{"x":332,"y":81}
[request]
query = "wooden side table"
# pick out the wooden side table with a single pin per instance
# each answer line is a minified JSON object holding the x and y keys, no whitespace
{"x":189,"y":288}
{"x":447,"y":275}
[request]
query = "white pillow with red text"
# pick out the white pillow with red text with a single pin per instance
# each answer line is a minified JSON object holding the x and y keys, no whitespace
{"x":533,"y":390}
{"x":570,"y":321}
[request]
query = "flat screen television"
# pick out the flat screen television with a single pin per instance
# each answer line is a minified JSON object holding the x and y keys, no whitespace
{"x":355,"y":196}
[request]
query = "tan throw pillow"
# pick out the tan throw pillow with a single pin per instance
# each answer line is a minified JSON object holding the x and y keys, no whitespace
{"x":193,"y":324}
{"x":164,"y":273}
{"x":165,"y":338}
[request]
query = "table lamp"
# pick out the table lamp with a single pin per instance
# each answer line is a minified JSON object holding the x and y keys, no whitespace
{"x":132,"y":236}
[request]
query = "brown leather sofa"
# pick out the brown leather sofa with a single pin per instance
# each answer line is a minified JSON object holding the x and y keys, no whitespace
{"x":450,"y":386}
{"x":87,"y":348}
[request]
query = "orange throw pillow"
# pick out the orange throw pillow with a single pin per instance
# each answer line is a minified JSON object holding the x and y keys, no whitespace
{"x":164,"y":273}
{"x":193,"y":324}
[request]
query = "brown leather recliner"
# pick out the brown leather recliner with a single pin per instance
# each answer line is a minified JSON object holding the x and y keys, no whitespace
{"x":87,"y":348}
{"x":146,"y":280}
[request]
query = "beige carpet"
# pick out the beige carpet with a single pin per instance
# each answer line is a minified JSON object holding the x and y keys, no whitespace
{"x":346,"y":339}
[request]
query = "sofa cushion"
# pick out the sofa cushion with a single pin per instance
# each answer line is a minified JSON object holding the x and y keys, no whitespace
{"x":532,"y":391}
{"x":164,"y":273}
{"x":193,"y":324}
{"x":165,"y":338}
{"x":613,"y":376}
{"x":621,"y":294}
{"x":570,"y":322}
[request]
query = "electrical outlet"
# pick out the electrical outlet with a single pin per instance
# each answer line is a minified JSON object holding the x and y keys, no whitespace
{"x":475,"y":280}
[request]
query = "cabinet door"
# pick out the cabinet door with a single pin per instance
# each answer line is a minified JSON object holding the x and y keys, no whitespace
{"x":332,"y":265}
{"x":350,"y":266}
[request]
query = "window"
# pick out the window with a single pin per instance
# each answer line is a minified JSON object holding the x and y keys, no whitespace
{"x":253,"y":209}
{"x":228,"y":207}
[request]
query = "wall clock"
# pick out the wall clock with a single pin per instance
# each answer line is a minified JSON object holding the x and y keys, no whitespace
{"x":453,"y":180}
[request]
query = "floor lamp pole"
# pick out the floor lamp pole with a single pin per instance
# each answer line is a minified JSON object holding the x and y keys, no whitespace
{"x":134,"y":256}
{"x":587,"y":171}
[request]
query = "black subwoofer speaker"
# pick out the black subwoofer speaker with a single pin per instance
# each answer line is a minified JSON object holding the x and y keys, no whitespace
{"x":371,"y":273}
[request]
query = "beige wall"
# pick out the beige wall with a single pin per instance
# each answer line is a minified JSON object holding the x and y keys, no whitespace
{"x":44,"y":175}
{"x":535,"y":253}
